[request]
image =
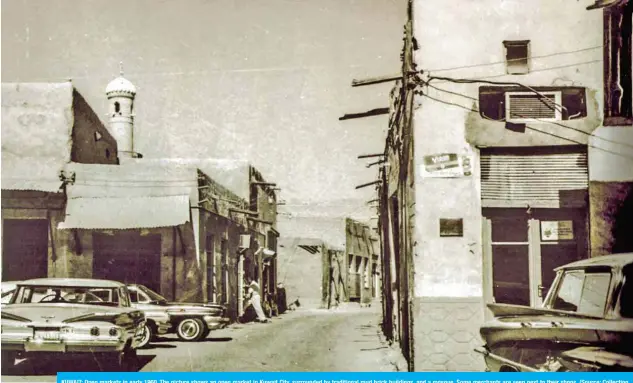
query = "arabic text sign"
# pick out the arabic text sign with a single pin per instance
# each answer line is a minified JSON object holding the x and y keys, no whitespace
{"x":446,"y":165}
{"x":557,"y":230}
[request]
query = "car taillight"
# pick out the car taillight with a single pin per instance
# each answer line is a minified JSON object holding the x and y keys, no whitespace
{"x":94,"y":331}
{"x":114,"y":332}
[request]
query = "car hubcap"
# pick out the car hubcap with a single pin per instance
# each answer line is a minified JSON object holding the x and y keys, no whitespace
{"x":146,"y":336}
{"x":189,"y":329}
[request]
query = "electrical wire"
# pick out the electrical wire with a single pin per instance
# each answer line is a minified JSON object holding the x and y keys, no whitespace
{"x":534,"y":129}
{"x":535,"y":70}
{"x":516,"y":59}
{"x":537,"y":119}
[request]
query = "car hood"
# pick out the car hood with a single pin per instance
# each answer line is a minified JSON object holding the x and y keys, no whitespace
{"x":59,"y":313}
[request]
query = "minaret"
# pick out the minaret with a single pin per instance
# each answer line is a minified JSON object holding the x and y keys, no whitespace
{"x":121,"y":93}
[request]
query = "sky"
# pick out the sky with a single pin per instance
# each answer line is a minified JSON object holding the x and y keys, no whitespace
{"x":250,"y":79}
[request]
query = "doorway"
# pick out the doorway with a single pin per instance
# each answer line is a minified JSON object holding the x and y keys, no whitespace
{"x":522,"y":247}
{"x":128,"y":257}
{"x":24,"y":249}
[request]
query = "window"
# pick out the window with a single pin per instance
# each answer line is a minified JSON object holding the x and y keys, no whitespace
{"x":117,"y":107}
{"x":618,"y":103}
{"x":517,"y":53}
{"x":133,"y":296}
{"x":583,"y":293}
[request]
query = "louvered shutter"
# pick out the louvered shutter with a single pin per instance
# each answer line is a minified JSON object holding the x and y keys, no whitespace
{"x":538,"y":180}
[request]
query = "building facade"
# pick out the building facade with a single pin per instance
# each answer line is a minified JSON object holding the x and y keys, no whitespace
{"x":75,"y":205}
{"x":509,"y":154}
{"x":44,"y":127}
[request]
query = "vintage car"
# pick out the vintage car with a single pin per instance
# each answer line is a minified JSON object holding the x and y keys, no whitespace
{"x":585,"y":323}
{"x":53,"y":316}
{"x":190,"y":321}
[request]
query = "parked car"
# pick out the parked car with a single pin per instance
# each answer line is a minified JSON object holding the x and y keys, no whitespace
{"x":189,"y":321}
{"x":93,"y":317}
{"x":7,"y":291}
{"x":584,"y":324}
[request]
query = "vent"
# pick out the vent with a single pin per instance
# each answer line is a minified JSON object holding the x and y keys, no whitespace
{"x":545,"y":180}
{"x":528,"y":106}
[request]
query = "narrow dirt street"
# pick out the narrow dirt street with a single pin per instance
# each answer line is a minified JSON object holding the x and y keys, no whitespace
{"x":310,"y":340}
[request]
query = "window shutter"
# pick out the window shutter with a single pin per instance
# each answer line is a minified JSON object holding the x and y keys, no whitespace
{"x":538,"y":180}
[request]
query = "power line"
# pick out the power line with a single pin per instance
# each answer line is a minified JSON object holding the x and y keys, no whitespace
{"x":534,"y":129}
{"x":471,"y":81}
{"x":535,"y":70}
{"x":538,"y":119}
{"x":516,"y":59}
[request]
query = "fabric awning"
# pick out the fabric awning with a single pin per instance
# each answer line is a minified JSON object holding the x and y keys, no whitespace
{"x":126,"y":212}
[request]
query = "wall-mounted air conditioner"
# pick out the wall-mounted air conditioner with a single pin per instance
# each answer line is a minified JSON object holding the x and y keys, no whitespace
{"x":524,"y":107}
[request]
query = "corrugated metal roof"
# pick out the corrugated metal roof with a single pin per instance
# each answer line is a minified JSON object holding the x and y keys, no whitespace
{"x":132,"y":180}
{"x":37,"y":119}
{"x":126,"y":212}
{"x":31,"y":173}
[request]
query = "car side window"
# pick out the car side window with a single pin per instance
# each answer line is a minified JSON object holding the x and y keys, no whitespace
{"x":143,"y":298}
{"x":6,"y":297}
{"x":133,"y":296}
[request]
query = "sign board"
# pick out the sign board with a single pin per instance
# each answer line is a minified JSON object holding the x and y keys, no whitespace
{"x":557,"y":230}
{"x":451,"y":227}
{"x":446,"y":165}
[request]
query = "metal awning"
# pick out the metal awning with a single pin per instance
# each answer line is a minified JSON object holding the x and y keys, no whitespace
{"x":126,"y":212}
{"x":31,"y":173}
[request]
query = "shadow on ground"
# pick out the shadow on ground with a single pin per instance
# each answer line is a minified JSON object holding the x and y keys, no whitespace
{"x":51,"y":366}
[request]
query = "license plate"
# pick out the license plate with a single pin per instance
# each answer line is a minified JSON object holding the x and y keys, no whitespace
{"x":47,"y":335}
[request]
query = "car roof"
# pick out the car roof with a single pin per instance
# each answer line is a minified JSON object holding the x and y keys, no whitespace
{"x":612,"y":260}
{"x":71,"y":282}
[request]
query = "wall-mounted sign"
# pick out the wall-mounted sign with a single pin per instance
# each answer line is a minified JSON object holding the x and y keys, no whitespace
{"x":557,"y":230}
{"x":451,"y":227}
{"x":446,"y":165}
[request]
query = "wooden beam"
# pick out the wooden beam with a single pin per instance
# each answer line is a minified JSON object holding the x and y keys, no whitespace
{"x":368,"y":184}
{"x":376,"y":80}
{"x":371,"y":155}
{"x":259,"y":220}
{"x":248,"y":212}
{"x":373,"y":112}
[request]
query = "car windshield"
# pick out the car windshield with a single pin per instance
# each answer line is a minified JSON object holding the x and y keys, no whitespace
{"x":583,"y":292}
{"x":152,"y":295}
{"x":67,"y":294}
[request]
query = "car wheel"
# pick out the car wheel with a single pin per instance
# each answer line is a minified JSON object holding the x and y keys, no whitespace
{"x":190,"y":329}
{"x":205,"y":333}
{"x":148,"y":335}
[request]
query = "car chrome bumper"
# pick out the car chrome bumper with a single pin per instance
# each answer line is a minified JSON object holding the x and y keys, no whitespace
{"x":65,"y":346}
{"x":216,"y":323}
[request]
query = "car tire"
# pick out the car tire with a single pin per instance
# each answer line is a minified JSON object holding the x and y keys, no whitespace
{"x":205,"y":333}
{"x":190,"y":329}
{"x":148,"y":335}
